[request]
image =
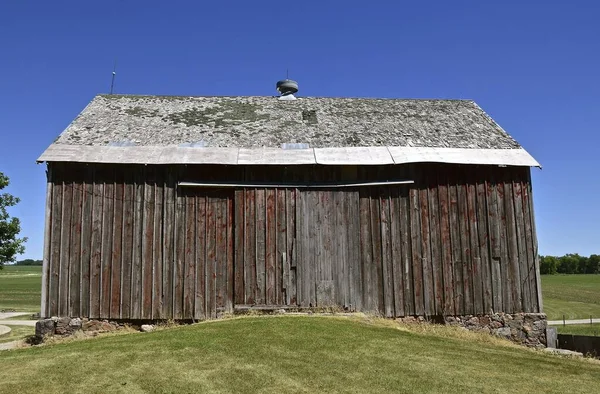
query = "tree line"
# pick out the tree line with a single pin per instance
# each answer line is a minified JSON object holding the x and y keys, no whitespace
{"x":571,"y":263}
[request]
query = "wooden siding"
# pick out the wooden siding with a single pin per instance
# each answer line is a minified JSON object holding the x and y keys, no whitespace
{"x":125,"y":242}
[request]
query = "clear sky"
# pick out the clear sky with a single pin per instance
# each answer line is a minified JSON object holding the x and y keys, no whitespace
{"x":535,"y":68}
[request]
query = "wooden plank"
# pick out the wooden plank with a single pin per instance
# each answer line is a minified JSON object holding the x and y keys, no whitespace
{"x":435,"y":239}
{"x":96,"y":246}
{"x":386,"y":252}
{"x":494,"y":234}
{"x":221,"y":250}
{"x":342,"y":248}
{"x":189,"y":283}
{"x":117,"y":245}
{"x":108,"y":215}
{"x":260,"y":246}
{"x":531,"y":242}
{"x":512,"y":246}
{"x":239,"y":206}
{"x":55,"y":248}
{"x":179,"y":268}
{"x":211,"y":256}
{"x":281,"y":271}
{"x":366,"y":249}
{"x":455,"y":240}
{"x":354,"y":251}
{"x":86,"y":240}
{"x":426,"y":257}
{"x":201,"y":255}
{"x":138,"y":228}
{"x":270,"y":247}
{"x":446,"y":244}
{"x":476,"y":266}
{"x":406,"y":250}
{"x":44,"y":308}
{"x":230,"y":252}
{"x":303,"y":265}
{"x":157,"y":244}
{"x":396,"y":256}
{"x":484,"y":240}
{"x":65,"y":242}
{"x":416,"y":244}
{"x":75,"y":253}
{"x":147,"y":250}
{"x":169,"y":243}
{"x":525,"y":276}
{"x":507,"y":283}
{"x":250,"y":247}
{"x":312,"y":248}
{"x":465,"y":244}
{"x":290,"y":209}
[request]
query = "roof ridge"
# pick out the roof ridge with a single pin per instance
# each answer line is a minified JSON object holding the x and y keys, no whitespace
{"x":107,"y":95}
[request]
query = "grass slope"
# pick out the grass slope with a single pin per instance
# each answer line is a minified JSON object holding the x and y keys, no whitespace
{"x":293,"y":354}
{"x":575,"y":296}
{"x":21,"y":288}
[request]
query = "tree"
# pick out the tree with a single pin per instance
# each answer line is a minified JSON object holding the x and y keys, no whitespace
{"x":10,"y":227}
{"x":568,"y":264}
{"x":593,"y":264}
{"x":548,"y":265}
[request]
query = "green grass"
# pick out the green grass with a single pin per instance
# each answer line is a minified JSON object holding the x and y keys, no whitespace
{"x":575,"y":296}
{"x":21,"y":288}
{"x":580,"y":329}
{"x":17,"y":333}
{"x":294,"y":354}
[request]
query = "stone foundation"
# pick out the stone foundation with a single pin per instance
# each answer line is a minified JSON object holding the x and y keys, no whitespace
{"x":527,"y":329}
{"x":66,"y":326}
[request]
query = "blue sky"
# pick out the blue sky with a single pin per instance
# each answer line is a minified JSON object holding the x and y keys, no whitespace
{"x":533,"y":67}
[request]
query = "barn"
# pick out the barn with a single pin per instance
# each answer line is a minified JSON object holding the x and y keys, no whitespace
{"x":163,"y":207}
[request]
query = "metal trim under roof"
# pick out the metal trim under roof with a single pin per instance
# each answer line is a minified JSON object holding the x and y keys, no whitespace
{"x":274,"y":156}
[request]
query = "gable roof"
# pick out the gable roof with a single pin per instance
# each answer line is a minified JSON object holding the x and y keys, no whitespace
{"x":168,"y":129}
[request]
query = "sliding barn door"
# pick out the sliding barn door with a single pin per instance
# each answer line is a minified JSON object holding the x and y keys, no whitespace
{"x":327,"y":235}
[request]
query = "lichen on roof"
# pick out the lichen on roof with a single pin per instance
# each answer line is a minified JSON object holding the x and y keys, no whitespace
{"x":268,"y":122}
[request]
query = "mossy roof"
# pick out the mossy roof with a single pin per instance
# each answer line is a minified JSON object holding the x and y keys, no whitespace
{"x":267,"y":122}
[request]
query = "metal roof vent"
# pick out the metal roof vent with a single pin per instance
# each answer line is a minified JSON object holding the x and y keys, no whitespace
{"x":287,"y":88}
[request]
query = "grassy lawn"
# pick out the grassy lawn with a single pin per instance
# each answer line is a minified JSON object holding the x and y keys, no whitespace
{"x":294,"y":354}
{"x":575,"y":296}
{"x":580,"y":329}
{"x":17,"y":332}
{"x":21,"y":288}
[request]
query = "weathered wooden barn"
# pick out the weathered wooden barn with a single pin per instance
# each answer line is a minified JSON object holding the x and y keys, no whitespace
{"x":183,"y":207}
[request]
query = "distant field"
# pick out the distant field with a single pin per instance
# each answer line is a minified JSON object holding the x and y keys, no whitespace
{"x":575,"y":296}
{"x":580,"y":329}
{"x":21,"y":288}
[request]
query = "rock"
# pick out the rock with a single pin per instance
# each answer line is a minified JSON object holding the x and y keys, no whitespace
{"x":147,"y":328}
{"x":474,"y":321}
{"x":91,"y":325}
{"x":503,"y":332}
{"x":62,"y":326}
{"x":563,"y":352}
{"x":484,"y":320}
{"x":75,"y":323}
{"x":44,"y":328}
{"x":280,"y":312}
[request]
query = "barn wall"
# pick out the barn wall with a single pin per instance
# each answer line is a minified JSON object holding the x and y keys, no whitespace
{"x":126,"y":243}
